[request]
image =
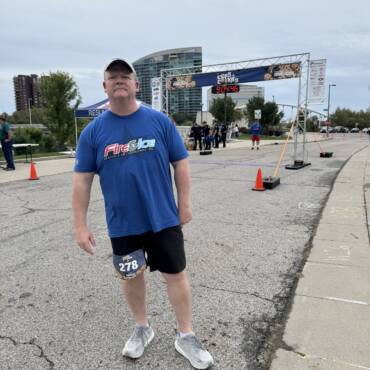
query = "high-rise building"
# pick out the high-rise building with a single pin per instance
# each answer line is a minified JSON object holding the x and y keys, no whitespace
{"x":27,"y":92}
{"x":184,"y":100}
{"x":240,"y":98}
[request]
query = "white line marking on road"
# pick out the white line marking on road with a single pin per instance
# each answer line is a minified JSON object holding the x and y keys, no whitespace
{"x":347,"y":300}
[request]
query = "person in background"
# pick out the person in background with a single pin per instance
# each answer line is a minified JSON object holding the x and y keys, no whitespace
{"x":223,"y":134}
{"x":6,"y":144}
{"x":206,"y":135}
{"x":197,"y":135}
{"x":236,"y":131}
{"x":255,"y":132}
{"x":216,"y":135}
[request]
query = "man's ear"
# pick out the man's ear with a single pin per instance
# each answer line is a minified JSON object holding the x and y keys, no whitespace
{"x":105,"y":89}
{"x":137,"y":86}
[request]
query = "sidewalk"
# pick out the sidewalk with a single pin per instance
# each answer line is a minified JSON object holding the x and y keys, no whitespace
{"x":329,"y":323}
{"x":43,"y":168}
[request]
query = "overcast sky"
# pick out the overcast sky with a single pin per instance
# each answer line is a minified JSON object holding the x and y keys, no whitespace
{"x":79,"y":37}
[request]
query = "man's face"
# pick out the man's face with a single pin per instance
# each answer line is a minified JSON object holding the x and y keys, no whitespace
{"x":119,"y":82}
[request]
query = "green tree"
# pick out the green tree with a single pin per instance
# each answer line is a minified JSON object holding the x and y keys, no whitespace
{"x":38,"y":115}
{"x":348,"y":118}
{"x":312,"y":124}
{"x":255,"y":103}
{"x":217,"y":109}
{"x":20,"y":117}
{"x":61,"y":97}
{"x":270,"y":115}
{"x":180,"y":118}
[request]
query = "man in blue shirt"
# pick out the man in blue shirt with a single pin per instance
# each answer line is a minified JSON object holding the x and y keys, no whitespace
{"x":255,"y":132}
{"x":130,"y":147}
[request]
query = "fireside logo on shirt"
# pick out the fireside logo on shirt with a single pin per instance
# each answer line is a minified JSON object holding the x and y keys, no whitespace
{"x":132,"y":147}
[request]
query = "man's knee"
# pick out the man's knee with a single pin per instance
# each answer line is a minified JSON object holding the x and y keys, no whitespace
{"x":180,"y":277}
{"x":138,"y":279}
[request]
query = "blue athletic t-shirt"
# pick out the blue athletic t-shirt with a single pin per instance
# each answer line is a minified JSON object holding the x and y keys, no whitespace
{"x":132,"y":156}
{"x":255,"y":128}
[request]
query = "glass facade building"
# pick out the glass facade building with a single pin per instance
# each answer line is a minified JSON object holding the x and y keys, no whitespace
{"x":184,"y":100}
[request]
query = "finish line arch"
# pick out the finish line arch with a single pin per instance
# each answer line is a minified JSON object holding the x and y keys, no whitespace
{"x":254,"y":70}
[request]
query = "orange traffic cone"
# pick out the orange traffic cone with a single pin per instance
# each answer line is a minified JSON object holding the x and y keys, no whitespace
{"x":259,"y":182}
{"x":33,"y":173}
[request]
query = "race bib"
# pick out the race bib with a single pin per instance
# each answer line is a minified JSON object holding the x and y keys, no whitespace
{"x":130,"y":265}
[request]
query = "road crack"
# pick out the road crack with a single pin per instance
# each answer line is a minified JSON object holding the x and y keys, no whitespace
{"x":31,"y":343}
{"x":238,"y":292}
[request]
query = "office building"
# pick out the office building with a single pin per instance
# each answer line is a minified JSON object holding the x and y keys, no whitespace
{"x":27,"y":92}
{"x":185,"y":100}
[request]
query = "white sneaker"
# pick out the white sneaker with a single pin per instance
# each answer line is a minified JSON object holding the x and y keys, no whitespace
{"x":140,"y":338}
{"x":190,"y":347}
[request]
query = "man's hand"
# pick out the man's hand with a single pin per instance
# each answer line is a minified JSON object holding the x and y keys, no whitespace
{"x":185,"y":215}
{"x":85,"y":239}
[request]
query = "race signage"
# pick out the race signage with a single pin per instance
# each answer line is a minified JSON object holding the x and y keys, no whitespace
{"x":225,"y":89}
{"x":271,"y":72}
{"x":316,"y":86}
{"x":156,"y":84}
{"x":257,"y":114}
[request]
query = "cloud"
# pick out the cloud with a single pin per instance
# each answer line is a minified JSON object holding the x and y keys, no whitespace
{"x":42,"y":36}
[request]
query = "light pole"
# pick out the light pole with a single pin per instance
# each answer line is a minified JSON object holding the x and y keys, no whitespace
{"x":201,"y":113}
{"x":29,"y":110}
{"x":330,"y":85}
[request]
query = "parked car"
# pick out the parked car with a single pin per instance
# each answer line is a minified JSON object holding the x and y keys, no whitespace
{"x":341,"y":129}
{"x":365,"y":130}
{"x":325,"y":129}
{"x":355,"y":130}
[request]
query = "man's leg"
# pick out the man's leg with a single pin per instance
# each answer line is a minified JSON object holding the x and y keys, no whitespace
{"x":179,"y":295}
{"x":135,"y":294}
{"x":7,"y":145}
{"x":3,"y":150}
{"x":134,"y":291}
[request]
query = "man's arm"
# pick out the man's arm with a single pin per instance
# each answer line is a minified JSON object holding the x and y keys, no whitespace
{"x":82,"y":182}
{"x":8,"y":133}
{"x":182,"y":182}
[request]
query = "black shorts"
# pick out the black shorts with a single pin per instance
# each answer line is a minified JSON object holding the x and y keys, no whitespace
{"x":164,"y":249}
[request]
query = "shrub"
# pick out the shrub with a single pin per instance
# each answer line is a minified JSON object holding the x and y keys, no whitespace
{"x":34,"y":136}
